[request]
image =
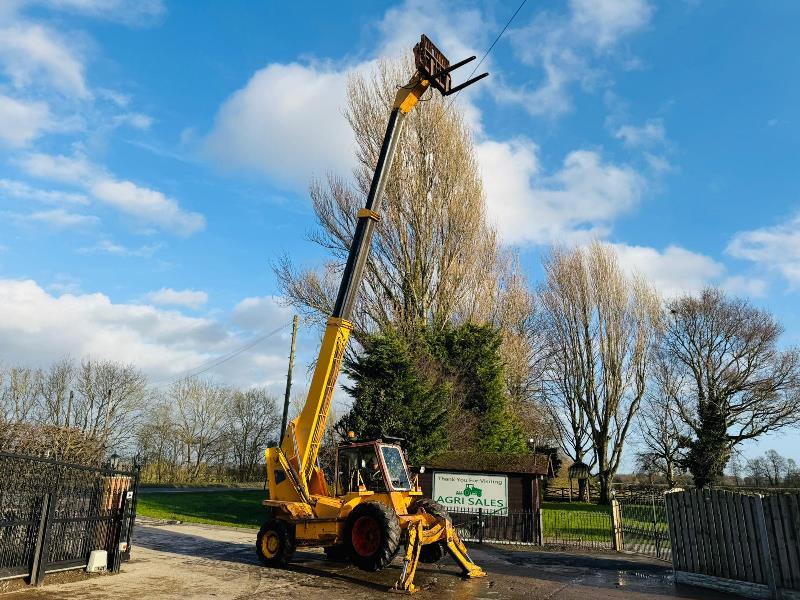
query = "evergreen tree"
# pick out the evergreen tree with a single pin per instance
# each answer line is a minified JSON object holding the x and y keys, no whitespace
{"x":471,"y":355}
{"x":395,"y":395}
{"x":413,"y":389}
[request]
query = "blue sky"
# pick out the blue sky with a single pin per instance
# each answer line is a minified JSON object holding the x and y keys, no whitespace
{"x":155,"y":157}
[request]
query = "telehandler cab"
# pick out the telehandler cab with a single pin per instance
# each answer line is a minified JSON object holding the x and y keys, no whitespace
{"x":374,"y":505}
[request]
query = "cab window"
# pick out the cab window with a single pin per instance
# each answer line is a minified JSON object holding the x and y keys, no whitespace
{"x":396,"y":468}
{"x":359,"y":466}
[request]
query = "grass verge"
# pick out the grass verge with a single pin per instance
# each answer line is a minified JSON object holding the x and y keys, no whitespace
{"x":236,"y":508}
{"x":576,"y":521}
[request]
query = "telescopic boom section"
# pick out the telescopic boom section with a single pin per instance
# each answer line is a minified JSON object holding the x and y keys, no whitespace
{"x":304,"y":435}
{"x":302,"y":439}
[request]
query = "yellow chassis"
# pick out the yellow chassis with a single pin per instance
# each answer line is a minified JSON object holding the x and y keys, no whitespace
{"x":325,"y":528}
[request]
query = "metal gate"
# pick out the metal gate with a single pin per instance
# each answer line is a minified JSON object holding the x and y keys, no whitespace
{"x":642,"y":525}
{"x":53,"y":514}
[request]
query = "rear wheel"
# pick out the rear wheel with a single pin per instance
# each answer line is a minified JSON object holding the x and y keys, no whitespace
{"x":275,"y":543}
{"x":432,"y":553}
{"x":372,"y":536}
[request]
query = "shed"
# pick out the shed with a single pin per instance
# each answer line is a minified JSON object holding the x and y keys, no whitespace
{"x":523,"y":474}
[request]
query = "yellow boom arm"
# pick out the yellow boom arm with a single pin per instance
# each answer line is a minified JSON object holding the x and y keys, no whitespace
{"x":303,"y":436}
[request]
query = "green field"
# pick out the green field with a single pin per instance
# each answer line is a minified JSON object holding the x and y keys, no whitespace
{"x":573,"y":521}
{"x":238,"y":508}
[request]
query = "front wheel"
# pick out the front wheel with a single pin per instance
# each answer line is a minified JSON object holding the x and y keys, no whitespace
{"x":275,"y":543}
{"x":372,"y":536}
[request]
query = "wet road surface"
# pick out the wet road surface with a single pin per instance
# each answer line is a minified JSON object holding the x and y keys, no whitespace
{"x":203,"y":561}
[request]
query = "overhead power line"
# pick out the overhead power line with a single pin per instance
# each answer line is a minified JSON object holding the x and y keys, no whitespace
{"x":220,"y":360}
{"x":452,"y":100}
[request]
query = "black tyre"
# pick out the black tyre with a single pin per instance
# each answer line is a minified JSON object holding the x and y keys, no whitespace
{"x":372,"y":536}
{"x":432,"y":508}
{"x":432,"y":553}
{"x":337,"y":553}
{"x":275,"y":543}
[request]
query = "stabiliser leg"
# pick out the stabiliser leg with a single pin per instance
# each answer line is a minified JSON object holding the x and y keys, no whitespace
{"x":459,"y":553}
{"x":419,"y":535}
{"x":410,"y":560}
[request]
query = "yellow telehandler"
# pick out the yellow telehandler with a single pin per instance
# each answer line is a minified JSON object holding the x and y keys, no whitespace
{"x":373,"y":505}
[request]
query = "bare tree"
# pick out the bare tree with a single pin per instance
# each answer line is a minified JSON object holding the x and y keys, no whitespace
{"x":109,"y":400}
{"x":56,"y":387}
{"x":757,"y":470}
{"x":525,"y":352}
{"x":737,"y":384}
{"x":252,"y":420}
{"x":20,"y":394}
{"x":435,"y":257}
{"x":200,"y":406}
{"x":737,"y":468}
{"x":158,"y":441}
{"x":777,"y":466}
{"x":662,"y":432}
{"x":604,"y":324}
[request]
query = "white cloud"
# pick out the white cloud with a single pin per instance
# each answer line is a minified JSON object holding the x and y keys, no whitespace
{"x":147,"y":205}
{"x":568,"y":47}
{"x":449,"y":29}
{"x":61,"y":218}
{"x":650,"y":134}
{"x":776,"y":248}
{"x":659,"y":164}
{"x":304,"y":133}
{"x":135,"y":120}
{"x":65,"y":169}
{"x":604,"y":22}
{"x":38,"y":328}
{"x":265,"y":312}
{"x":130,"y":12}
{"x":286,"y":123}
{"x":23,"y":191}
{"x":22,"y":122}
{"x":186,"y":298}
{"x":673,"y":271}
{"x":578,"y":202}
{"x":740,"y":285}
{"x":32,"y":55}
{"x":150,"y":206}
{"x":109,"y":247}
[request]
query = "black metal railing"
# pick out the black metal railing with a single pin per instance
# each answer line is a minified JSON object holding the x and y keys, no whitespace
{"x":575,"y":525}
{"x":497,"y":526}
{"x":53,"y":514}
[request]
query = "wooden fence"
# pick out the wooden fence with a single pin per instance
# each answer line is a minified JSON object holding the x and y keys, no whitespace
{"x":744,"y":544}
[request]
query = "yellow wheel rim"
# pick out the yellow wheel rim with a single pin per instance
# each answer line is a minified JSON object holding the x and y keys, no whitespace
{"x":270,"y":543}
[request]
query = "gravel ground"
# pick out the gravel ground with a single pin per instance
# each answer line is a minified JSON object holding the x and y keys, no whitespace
{"x":203,"y":561}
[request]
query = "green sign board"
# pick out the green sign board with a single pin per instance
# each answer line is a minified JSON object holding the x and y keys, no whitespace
{"x":471,"y":491}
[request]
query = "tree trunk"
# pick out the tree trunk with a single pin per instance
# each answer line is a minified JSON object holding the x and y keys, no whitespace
{"x":605,"y":487}
{"x":583,"y":488}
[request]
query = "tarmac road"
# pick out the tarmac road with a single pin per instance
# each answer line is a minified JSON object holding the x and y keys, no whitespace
{"x":204,"y":561}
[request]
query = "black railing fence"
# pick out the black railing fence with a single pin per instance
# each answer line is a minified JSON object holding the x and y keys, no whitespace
{"x":497,"y":526}
{"x":53,"y":514}
{"x":576,"y":525}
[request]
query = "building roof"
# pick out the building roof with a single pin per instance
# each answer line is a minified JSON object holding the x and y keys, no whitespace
{"x":533,"y":463}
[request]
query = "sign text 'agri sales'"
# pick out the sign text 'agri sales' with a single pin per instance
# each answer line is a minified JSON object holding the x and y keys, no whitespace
{"x":471,"y":491}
